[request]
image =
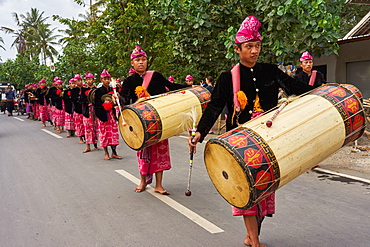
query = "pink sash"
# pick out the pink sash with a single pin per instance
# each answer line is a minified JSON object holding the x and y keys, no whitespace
{"x":235,"y":75}
{"x":313,"y":77}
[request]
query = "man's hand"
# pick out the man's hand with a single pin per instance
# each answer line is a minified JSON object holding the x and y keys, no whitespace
{"x":192,"y":141}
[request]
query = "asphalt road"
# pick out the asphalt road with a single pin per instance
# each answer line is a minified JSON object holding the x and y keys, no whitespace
{"x":51,"y":194}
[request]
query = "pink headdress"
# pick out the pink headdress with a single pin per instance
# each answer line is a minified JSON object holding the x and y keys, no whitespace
{"x":89,"y":75}
{"x":119,"y":80}
{"x":104,"y":74}
{"x":56,"y":78}
{"x":34,"y":85}
{"x":59,"y":81}
{"x":248,"y":31}
{"x":27,"y":85}
{"x":305,"y":56}
{"x":72,"y":80}
{"x":189,"y":78}
{"x":78,"y":77}
{"x":132,"y":71}
{"x":138,"y":52}
{"x":42,"y":81}
{"x":171,"y":79}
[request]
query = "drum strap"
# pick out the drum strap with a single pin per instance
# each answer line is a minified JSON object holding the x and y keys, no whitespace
{"x":235,"y":75}
{"x":313,"y":78}
{"x":147,"y":78}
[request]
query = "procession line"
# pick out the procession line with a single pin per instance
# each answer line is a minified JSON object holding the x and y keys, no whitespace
{"x":19,"y":119}
{"x":343,"y":175}
{"x":51,"y":133}
{"x":210,"y":227}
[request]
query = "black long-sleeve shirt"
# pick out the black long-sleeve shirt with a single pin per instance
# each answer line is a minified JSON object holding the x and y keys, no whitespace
{"x":269,"y":78}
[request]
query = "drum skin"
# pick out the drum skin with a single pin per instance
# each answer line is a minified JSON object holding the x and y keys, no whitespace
{"x":252,"y":161}
{"x":151,"y":121}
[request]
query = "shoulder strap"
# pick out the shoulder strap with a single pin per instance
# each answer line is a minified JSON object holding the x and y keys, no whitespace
{"x":147,"y":78}
{"x":235,"y":75}
{"x":313,"y":78}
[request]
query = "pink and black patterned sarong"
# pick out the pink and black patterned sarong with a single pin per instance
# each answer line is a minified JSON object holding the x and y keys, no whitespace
{"x":59,"y":117}
{"x":69,"y":123}
{"x":108,"y":131}
{"x":78,"y":120}
{"x":158,"y":158}
{"x":44,"y":115}
{"x":90,"y":125}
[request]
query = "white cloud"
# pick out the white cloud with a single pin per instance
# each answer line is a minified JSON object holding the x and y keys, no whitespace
{"x":64,"y":8}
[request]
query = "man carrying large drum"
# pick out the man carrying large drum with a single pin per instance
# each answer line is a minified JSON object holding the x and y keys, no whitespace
{"x":250,"y":89}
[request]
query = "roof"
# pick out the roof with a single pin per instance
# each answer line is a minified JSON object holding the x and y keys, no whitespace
{"x":360,"y":31}
{"x":358,"y":1}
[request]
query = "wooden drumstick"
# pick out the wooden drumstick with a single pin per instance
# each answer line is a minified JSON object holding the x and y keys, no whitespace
{"x":188,"y":192}
{"x":269,"y":122}
{"x":114,"y":84}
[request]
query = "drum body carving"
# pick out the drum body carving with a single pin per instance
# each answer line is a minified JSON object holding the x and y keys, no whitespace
{"x":251,"y":161}
{"x":158,"y":118}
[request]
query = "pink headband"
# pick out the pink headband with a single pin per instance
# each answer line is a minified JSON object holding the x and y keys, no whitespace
{"x":171,"y":79}
{"x":189,"y":78}
{"x":248,"y":31}
{"x":138,"y":52}
{"x":89,"y":75}
{"x":104,"y":74}
{"x":132,"y":71}
{"x":305,"y":56}
{"x":78,"y":77}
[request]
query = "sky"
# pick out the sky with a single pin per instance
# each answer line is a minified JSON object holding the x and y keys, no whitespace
{"x":64,"y":8}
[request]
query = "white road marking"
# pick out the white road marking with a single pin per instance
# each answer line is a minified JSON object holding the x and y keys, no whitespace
{"x":210,"y":227}
{"x":343,"y":175}
{"x":19,"y":119}
{"x":51,"y":133}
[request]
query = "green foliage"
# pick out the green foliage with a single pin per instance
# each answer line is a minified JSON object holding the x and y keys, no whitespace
{"x":180,"y":36}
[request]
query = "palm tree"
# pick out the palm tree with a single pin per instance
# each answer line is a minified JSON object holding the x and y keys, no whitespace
{"x":43,"y":42}
{"x":20,"y":41}
{"x":2,"y":41}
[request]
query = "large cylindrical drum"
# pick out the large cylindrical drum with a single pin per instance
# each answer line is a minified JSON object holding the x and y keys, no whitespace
{"x":252,"y":161}
{"x":148,"y":122}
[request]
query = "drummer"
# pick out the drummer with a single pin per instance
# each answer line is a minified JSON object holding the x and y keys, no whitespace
{"x":259,"y":87}
{"x":307,"y":74}
{"x":156,"y":158}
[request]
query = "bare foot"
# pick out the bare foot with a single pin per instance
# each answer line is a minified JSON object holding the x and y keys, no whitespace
{"x":247,"y":240}
{"x":97,"y":148}
{"x":139,"y":189}
{"x":68,"y":136}
{"x":106,"y":157}
{"x":43,"y":125}
{"x":86,"y":150}
{"x":81,"y":142}
{"x":163,"y":192}
{"x":116,"y":156}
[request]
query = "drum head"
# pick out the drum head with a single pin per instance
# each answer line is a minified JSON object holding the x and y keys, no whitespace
{"x":132,"y":130}
{"x":227,"y":175}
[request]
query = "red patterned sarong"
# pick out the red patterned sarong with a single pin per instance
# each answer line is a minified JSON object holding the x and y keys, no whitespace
{"x":59,"y":117}
{"x":108,"y":131}
{"x":91,"y":126}
{"x":44,"y":115}
{"x":263,"y":208}
{"x":69,"y":123}
{"x":77,"y":119}
{"x":158,"y":160}
{"x":36,"y":109}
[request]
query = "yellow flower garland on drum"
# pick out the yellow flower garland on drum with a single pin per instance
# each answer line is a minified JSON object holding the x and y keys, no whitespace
{"x":140,"y":92}
{"x":242,"y":98}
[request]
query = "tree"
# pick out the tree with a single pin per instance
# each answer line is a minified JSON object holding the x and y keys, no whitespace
{"x":20,"y":41}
